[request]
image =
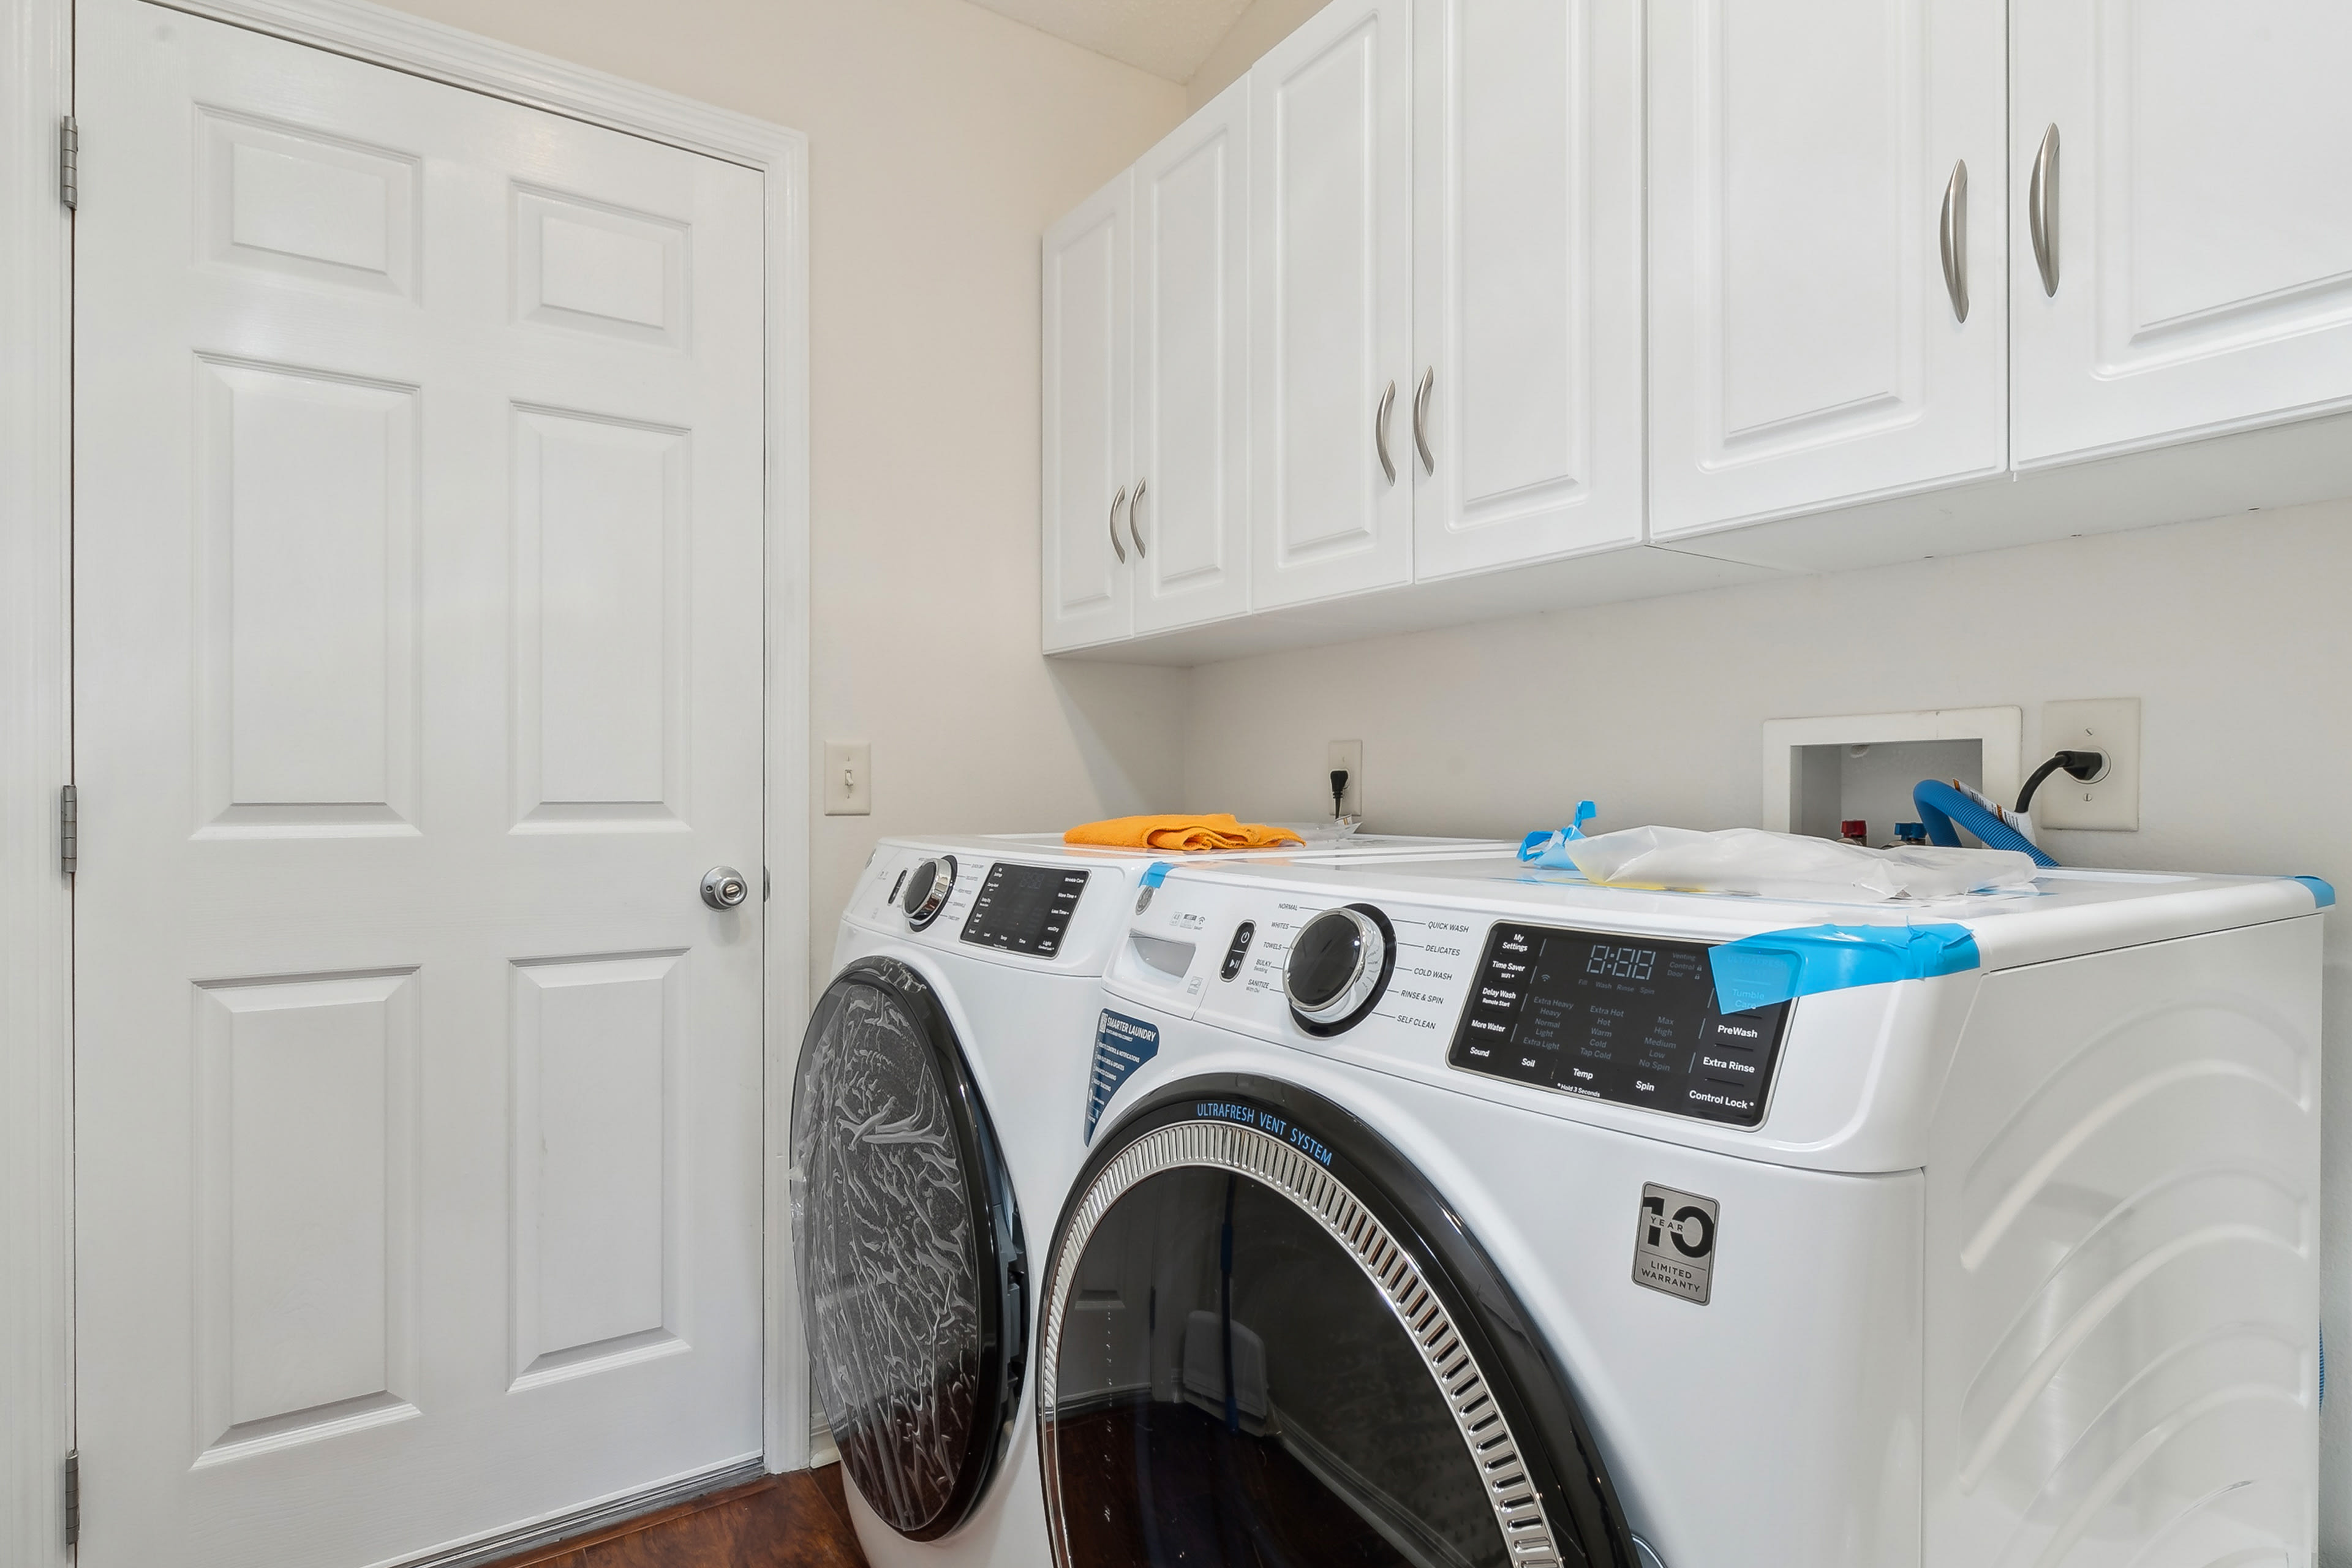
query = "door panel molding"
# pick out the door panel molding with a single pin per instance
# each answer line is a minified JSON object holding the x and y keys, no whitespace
{"x":36,"y":902}
{"x":35,"y":696}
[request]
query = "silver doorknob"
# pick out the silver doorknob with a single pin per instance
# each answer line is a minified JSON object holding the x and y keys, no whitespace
{"x":723,"y":888}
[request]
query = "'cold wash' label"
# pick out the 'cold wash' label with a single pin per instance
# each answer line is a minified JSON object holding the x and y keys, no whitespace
{"x":1121,"y":1045}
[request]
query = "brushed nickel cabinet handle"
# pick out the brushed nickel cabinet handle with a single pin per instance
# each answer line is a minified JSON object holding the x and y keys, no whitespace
{"x":1134,"y":527}
{"x":1421,"y":420}
{"x":2042,"y":210}
{"x":1116,"y":502}
{"x":1954,"y":234}
{"x":1380,"y":432}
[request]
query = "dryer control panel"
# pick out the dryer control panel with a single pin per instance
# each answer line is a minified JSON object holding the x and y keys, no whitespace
{"x":1623,"y":1018}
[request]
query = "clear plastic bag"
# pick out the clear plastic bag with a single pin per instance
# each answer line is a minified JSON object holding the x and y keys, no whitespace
{"x":1791,"y":866}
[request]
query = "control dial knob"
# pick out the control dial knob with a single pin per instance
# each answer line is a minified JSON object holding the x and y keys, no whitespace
{"x":1338,"y":965}
{"x":928,"y":887}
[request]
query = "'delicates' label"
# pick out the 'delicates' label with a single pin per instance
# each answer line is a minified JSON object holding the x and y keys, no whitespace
{"x":1121,"y":1045}
{"x":1673,"y":1243}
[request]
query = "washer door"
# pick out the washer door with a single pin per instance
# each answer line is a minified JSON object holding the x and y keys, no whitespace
{"x":913,"y":1286}
{"x":1265,"y":1339}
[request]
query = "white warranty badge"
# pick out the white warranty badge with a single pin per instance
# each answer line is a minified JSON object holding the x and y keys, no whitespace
{"x":1674,"y":1246}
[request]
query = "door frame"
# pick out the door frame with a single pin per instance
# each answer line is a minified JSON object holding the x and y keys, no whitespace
{"x":37,"y":1305}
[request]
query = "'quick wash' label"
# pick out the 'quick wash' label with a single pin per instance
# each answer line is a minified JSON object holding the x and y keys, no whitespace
{"x":1121,"y":1045}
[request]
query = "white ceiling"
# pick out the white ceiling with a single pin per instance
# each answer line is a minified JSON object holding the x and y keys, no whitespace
{"x":1170,"y":38}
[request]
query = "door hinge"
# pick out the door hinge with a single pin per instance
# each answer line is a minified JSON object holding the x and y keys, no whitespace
{"x":69,"y":162}
{"x":68,"y":830}
{"x":73,"y":1497}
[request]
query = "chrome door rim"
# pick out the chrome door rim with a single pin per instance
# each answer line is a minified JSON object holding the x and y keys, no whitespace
{"x":1485,"y":1434}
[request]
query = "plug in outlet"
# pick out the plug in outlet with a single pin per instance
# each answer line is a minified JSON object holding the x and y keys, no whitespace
{"x":1347,"y":754}
{"x":2109,"y":800}
{"x":848,"y":779}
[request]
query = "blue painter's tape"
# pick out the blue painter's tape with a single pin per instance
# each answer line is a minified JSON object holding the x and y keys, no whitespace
{"x":2322,"y":893}
{"x":1777,"y":965}
{"x":1156,"y":873}
{"x":1549,"y":847}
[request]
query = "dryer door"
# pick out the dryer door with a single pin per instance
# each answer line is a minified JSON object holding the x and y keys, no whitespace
{"x":1265,"y":1339}
{"x":913,"y":1286}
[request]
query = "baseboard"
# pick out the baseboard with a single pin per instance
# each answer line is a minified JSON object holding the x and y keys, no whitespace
{"x":596,"y":1516}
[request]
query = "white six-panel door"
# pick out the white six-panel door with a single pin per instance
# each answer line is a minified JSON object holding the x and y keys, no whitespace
{"x":1188,"y":507}
{"x":1527,"y":321}
{"x":1332,"y":305}
{"x":418,"y":651}
{"x":2198,"y":194}
{"x":1806,"y":347}
{"x":1089,"y":361}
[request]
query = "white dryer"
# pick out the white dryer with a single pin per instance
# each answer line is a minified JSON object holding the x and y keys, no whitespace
{"x":1483,"y":1216}
{"x":940,"y":1110}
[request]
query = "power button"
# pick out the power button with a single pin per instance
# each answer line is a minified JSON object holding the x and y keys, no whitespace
{"x":1238,"y":949}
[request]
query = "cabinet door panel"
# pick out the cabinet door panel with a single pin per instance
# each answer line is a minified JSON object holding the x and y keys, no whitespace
{"x":1331,"y":256}
{"x":1190,"y":527}
{"x":1089,"y":588}
{"x":1806,"y":345}
{"x":2203,"y":219}
{"x":1527,"y":280}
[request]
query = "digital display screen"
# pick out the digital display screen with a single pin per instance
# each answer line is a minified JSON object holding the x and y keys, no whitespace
{"x":1632,"y":1021}
{"x":1024,"y":909}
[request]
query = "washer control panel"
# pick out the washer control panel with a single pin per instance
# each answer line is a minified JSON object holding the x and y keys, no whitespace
{"x":1623,"y":1018}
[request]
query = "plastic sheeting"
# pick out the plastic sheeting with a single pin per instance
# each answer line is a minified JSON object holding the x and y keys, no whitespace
{"x":1751,"y":861}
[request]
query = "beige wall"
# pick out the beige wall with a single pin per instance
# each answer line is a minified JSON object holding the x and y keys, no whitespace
{"x":944,"y":139}
{"x":2235,"y":635}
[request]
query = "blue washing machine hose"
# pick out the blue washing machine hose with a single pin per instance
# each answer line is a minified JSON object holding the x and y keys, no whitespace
{"x":1940,"y":807}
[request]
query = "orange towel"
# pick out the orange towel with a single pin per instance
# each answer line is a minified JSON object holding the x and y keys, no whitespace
{"x":1213,"y":830}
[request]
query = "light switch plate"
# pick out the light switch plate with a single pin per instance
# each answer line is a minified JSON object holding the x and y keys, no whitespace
{"x":848,"y":779}
{"x":2111,"y":800}
{"x":1347,"y":754}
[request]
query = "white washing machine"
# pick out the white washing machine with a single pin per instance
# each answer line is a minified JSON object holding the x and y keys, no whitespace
{"x":939,"y":1113}
{"x":1483,"y":1216}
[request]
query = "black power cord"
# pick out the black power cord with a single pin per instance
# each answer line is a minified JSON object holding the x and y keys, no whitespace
{"x":2083,"y":765}
{"x":1339,"y":791}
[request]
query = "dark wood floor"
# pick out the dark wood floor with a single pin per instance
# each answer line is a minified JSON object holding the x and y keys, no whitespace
{"x":797,"y":1521}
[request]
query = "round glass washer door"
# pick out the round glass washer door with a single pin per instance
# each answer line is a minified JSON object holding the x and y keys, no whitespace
{"x":913,"y":1289}
{"x":1251,"y":1354}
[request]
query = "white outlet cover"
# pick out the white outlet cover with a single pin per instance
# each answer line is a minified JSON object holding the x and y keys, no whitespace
{"x":1347,"y":754}
{"x":847,"y":780}
{"x":2110,"y":802}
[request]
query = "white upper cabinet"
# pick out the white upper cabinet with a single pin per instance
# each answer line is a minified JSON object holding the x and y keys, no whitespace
{"x":1090,"y":592}
{"x":2194,"y":215}
{"x":1332,"y":305}
{"x":1525,"y":406}
{"x":1806,"y":341}
{"x":1187,"y":501}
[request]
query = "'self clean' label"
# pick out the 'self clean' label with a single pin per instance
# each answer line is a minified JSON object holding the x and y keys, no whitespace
{"x":1121,"y":1045}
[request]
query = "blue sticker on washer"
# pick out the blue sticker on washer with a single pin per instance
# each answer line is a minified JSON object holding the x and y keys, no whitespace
{"x":1121,"y":1045}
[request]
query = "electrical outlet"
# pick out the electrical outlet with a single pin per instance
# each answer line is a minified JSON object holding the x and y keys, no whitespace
{"x":848,"y":778}
{"x":1347,"y":754}
{"x":2110,"y":800}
